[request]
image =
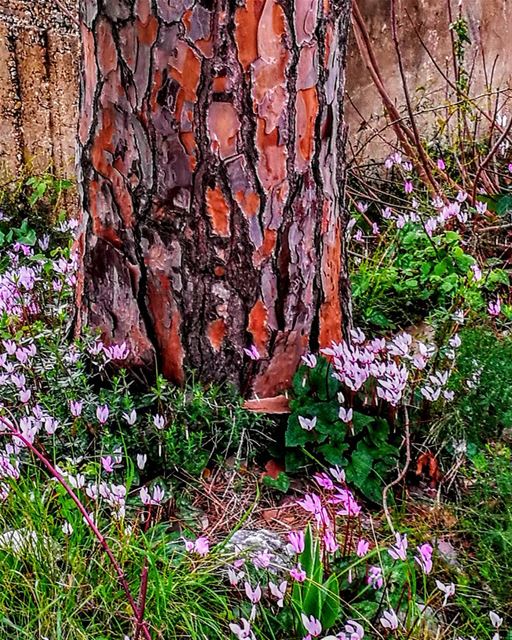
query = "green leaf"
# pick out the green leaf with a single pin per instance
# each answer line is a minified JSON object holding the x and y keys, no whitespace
{"x":333,"y":453}
{"x":360,"y":421}
{"x":281,"y":483}
{"x":331,"y":603}
{"x":504,"y":204}
{"x":359,"y":467}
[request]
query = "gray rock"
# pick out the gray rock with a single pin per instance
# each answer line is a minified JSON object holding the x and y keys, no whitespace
{"x":248,"y":543}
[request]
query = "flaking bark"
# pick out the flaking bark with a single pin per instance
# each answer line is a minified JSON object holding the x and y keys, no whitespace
{"x":211,"y":169}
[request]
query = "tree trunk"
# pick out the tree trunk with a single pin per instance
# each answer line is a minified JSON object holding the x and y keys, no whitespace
{"x":211,"y":171}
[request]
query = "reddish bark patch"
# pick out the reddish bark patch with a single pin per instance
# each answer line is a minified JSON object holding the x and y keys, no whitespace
{"x":167,"y":326}
{"x":246,"y":31}
{"x":307,"y":69}
{"x":266,"y":249}
{"x":288,"y":348}
{"x":218,"y":211}
{"x":147,"y":31}
{"x":305,"y":19}
{"x":221,"y":84}
{"x":249,"y":202}
{"x":216,"y":333}
{"x":143,"y":10}
{"x":186,"y":70}
{"x":330,"y":310}
{"x":223,"y":127}
{"x":106,"y":50}
{"x":272,"y":160}
{"x":257,"y":326}
{"x":275,"y":405}
{"x":306,"y":113}
{"x":271,"y":29}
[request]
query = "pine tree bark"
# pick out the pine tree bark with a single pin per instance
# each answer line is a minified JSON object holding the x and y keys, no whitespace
{"x":211,"y":171}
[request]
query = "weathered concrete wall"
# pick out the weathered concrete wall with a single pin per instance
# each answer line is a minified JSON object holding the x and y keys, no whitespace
{"x":490,"y":27}
{"x":39,"y":54}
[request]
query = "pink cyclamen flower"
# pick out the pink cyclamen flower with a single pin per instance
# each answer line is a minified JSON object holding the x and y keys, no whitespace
{"x":50,"y":425}
{"x":189,"y":545}
{"x":481,"y":207}
{"x":278,"y":591}
{"x":141,"y":460}
{"x":102,"y":413}
{"x":477,"y":272}
{"x":399,"y":550}
{"x":67,"y":528}
{"x":324,"y":481}
{"x":447,"y":589}
{"x":75,"y":406}
{"x":309,"y":360}
{"x":337,"y":473}
{"x":262,"y":560}
{"x":152,"y":499}
{"x":424,"y":557}
{"x":311,"y":503}
{"x":408,"y":186}
{"x":494,"y":308}
{"x":362,"y":548}
{"x":131,"y":417}
{"x":375,"y":578}
{"x":202,"y":546}
{"x":345,"y":415}
{"x":25,"y":395}
{"x":441,"y":164}
{"x":116,"y":351}
{"x":243,"y":630}
{"x":496,"y":620}
{"x":331,"y":546}
{"x":352,"y":631}
{"x":312,"y":625}
{"x":389,"y":620}
{"x":108,"y":464}
{"x":254,"y":595}
{"x":298,"y":573}
{"x":159,"y":421}
{"x":235,"y":577}
{"x":296,"y":539}
{"x":308,"y":424}
{"x":252,"y":352}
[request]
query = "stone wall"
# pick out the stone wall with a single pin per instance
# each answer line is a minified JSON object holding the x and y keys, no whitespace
{"x":39,"y":54}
